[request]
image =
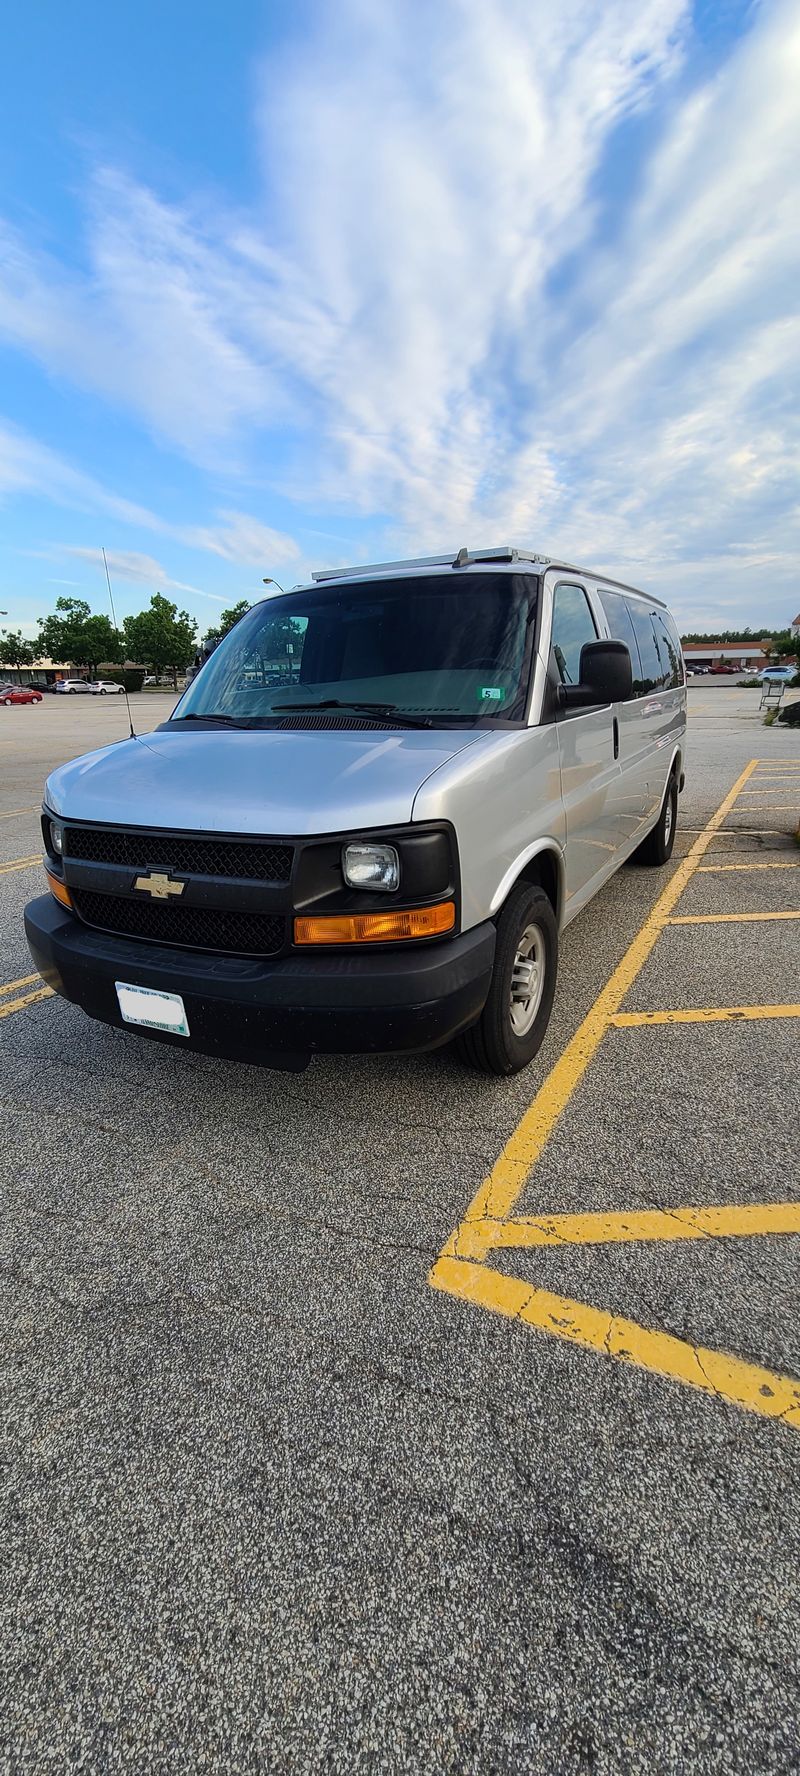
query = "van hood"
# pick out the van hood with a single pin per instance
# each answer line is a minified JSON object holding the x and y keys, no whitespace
{"x":256,"y":781}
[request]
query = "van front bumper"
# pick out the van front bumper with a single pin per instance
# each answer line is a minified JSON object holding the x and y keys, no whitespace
{"x":274,"y":1013}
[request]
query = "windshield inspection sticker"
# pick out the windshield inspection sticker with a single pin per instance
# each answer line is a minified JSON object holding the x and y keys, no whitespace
{"x":492,"y":693}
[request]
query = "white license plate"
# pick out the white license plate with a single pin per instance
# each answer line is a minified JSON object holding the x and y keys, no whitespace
{"x":157,"y":1011}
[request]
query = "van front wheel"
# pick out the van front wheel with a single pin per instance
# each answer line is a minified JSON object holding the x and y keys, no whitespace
{"x":517,"y":1011}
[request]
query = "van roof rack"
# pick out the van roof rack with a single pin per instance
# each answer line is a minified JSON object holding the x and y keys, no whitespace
{"x":464,"y":558}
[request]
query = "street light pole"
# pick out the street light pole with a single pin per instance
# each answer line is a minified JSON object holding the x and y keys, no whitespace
{"x":271,"y":582}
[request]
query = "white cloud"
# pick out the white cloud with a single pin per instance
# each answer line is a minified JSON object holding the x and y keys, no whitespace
{"x":428,"y":313}
{"x":127,"y":564}
{"x":240,"y":538}
{"x":27,"y":466}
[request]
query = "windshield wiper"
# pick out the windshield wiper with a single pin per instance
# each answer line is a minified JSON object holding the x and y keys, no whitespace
{"x":392,"y":709}
{"x":227,"y":721}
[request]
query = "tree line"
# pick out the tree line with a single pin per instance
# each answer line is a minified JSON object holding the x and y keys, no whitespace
{"x":160,"y":637}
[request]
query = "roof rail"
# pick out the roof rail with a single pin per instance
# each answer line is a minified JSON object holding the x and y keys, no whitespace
{"x":464,"y":558}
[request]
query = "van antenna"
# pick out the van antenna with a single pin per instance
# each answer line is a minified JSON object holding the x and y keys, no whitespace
{"x":134,"y":735}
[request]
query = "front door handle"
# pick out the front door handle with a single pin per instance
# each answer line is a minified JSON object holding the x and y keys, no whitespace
{"x":616,"y":738}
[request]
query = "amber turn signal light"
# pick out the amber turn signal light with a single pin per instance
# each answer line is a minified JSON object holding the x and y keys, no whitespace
{"x":355,"y":928}
{"x":58,"y":889}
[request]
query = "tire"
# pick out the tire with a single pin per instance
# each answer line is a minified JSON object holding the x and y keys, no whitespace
{"x":509,"y":1032}
{"x":657,"y":847}
{"x":7,"y":701}
{"x":103,"y":692}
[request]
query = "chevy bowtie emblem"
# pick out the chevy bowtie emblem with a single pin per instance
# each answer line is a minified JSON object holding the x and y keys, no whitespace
{"x":159,"y":886}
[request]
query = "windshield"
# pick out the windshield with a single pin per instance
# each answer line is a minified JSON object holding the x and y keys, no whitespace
{"x":436,"y":649}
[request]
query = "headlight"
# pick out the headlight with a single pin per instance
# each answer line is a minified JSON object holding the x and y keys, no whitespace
{"x":371,"y":866}
{"x":57,"y":838}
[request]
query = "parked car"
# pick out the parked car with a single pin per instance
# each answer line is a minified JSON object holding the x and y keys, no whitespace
{"x":106,"y":687}
{"x":382,"y":856}
{"x":19,"y":694}
{"x":73,"y":687}
{"x":787,"y":673}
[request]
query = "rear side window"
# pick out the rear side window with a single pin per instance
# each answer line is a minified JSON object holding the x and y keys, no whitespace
{"x":573,"y":626}
{"x":653,"y":670}
{"x":670,"y":647}
{"x":621,"y":626}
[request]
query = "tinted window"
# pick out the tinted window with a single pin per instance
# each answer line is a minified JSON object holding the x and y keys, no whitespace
{"x":653,"y":672}
{"x":621,"y":626}
{"x":447,"y":647}
{"x":573,"y":626}
{"x":670,"y":646}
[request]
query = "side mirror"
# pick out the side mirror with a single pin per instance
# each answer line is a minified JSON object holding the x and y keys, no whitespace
{"x":606,"y":676}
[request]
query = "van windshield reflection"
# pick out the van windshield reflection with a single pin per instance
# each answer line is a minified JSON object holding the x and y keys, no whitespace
{"x":427,"y":650}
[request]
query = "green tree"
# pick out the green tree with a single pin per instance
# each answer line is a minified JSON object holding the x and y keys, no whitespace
{"x":785,"y":643}
{"x":73,"y":635}
{"x":230,"y":617}
{"x":161,"y":636}
{"x":14,"y":649}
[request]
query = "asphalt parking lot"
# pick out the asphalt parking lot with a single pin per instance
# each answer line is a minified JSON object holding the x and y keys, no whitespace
{"x":387,"y":1418}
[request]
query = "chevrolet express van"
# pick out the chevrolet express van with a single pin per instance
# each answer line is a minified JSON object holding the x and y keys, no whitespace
{"x":370,"y":815}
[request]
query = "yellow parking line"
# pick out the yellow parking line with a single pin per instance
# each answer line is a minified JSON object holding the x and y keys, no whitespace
{"x":499,"y":1191}
{"x":726,"y":1221}
{"x":771,"y":808}
{"x":26,"y":980}
{"x":726,"y":918}
{"x":713,"y":1372}
{"x":708,"y":1014}
{"x":15,"y":811}
{"x":27,"y":999}
{"x":18,"y":863}
{"x":719,"y":868}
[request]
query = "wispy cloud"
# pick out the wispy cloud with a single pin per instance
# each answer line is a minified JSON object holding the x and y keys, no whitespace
{"x":430,"y":314}
{"x":143,"y":570}
{"x":241,"y":538}
{"x":28,"y":466}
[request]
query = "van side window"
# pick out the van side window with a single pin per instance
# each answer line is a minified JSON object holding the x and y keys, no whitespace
{"x":653,"y":673}
{"x":670,"y":647}
{"x":573,"y":626}
{"x":620,"y":624}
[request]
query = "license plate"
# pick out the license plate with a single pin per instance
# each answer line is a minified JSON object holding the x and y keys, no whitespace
{"x":157,"y":1011}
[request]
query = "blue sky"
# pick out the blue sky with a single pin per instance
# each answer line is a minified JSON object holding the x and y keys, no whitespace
{"x":282,"y":288}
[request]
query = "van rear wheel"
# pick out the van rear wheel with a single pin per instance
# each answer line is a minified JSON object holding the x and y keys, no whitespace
{"x":512,"y":1024}
{"x":657,"y":847}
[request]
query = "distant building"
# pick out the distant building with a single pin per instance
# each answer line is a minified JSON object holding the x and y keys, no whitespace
{"x":795,"y":626}
{"x":749,"y":655}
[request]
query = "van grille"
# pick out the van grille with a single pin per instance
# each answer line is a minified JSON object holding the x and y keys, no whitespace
{"x":241,"y":859}
{"x":190,"y":927}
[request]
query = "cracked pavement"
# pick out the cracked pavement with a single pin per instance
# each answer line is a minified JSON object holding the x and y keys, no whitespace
{"x":271,"y":1503}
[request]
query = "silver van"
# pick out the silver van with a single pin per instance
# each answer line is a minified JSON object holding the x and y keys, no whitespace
{"x":370,"y":815}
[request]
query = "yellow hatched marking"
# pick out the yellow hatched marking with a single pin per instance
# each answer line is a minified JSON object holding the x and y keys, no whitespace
{"x":27,"y":999}
{"x":25,"y":980}
{"x":717,"y":869}
{"x":499,"y":1191}
{"x":18,"y":863}
{"x":713,"y":1372}
{"x":726,"y":1221}
{"x":461,"y":1269}
{"x":710,"y":1014}
{"x":726,"y":918}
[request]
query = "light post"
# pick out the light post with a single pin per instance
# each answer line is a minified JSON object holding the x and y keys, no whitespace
{"x":270,"y":582}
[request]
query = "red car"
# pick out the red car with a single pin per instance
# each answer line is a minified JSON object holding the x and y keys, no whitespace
{"x":19,"y":694}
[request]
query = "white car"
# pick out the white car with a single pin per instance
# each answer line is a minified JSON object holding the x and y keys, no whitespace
{"x":106,"y":687}
{"x":71,"y":686}
{"x":779,"y":672}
